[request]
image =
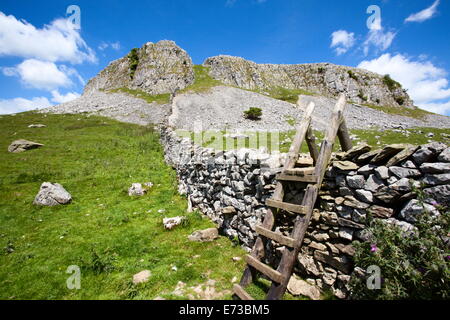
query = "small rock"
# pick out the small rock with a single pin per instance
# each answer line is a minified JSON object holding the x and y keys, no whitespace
{"x":422,"y":155}
{"x":52,"y":194}
{"x":373,"y":183}
{"x":229,"y":210}
{"x":356,"y":181}
{"x":436,"y":167}
{"x":444,"y":156}
{"x":367,"y":169}
{"x":381,"y":212}
{"x":170,"y":223}
{"x":388,"y":152}
{"x":137,"y":189}
{"x":142,"y":276}
{"x":204,"y":235}
{"x":414,"y":208}
{"x":356,"y":151}
{"x":436,"y":179}
{"x":439,"y":193}
{"x":345,"y":165}
{"x":382,"y":172}
{"x":364,"y":195}
{"x":402,"y":155}
{"x":402,"y":185}
{"x":404,"y":172}
{"x":297,"y":287}
{"x":23,"y":145}
{"x":37,"y":126}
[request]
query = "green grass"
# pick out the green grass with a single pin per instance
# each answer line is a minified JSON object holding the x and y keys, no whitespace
{"x":110,"y":235}
{"x":203,"y":81}
{"x":256,"y":140}
{"x":415,"y":112}
{"x":288,"y":95}
{"x":158,"y":98}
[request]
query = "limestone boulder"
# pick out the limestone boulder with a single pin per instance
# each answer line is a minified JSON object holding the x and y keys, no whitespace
{"x":22,"y":145}
{"x":52,"y":194}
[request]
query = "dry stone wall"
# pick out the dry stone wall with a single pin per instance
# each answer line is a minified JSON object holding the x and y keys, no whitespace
{"x":231,"y":189}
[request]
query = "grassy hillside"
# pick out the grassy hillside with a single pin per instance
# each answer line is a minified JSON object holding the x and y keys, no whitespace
{"x":374,"y":138}
{"x":110,"y":235}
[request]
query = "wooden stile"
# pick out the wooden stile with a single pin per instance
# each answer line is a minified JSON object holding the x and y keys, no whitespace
{"x":313,"y":177}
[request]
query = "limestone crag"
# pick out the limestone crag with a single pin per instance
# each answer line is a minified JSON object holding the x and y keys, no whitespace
{"x":360,"y":86}
{"x":162,"y":67}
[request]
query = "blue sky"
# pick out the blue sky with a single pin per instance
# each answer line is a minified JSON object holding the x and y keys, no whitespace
{"x":44,"y":61}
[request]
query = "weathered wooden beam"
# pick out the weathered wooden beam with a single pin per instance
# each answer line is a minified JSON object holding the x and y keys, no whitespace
{"x":305,"y":179}
{"x":286,"y":206}
{"x":344,"y":138}
{"x":311,"y":141}
{"x":241,"y":293}
{"x":258,"y":250}
{"x":264,"y":269}
{"x":283,"y":240}
{"x":299,"y":171}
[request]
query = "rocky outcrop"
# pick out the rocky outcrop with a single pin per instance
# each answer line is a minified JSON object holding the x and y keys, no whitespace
{"x":360,"y":86}
{"x":231,"y":189}
{"x":156,"y":68}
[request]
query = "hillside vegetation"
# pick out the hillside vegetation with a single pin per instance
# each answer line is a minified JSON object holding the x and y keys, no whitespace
{"x":108,"y":234}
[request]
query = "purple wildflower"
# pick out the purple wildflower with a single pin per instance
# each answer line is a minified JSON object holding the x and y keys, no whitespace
{"x":447,"y":258}
{"x":373,"y":248}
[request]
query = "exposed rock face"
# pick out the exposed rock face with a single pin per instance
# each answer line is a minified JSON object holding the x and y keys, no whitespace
{"x":52,"y":194}
{"x":23,"y":145}
{"x":162,"y":67}
{"x":359,"y":85}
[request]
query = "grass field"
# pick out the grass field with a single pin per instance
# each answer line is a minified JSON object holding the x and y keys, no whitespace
{"x":282,"y":140}
{"x":108,"y":234}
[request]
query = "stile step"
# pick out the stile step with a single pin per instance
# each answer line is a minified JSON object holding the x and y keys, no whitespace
{"x":300,"y":171}
{"x":286,"y":206}
{"x":306,"y":179}
{"x":265,"y":269}
{"x":283,"y":240}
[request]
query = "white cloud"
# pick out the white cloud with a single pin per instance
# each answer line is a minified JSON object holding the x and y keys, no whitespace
{"x":58,"y":41}
{"x":8,"y":106}
{"x":378,"y":39}
{"x":342,"y":41}
{"x":425,"y":14}
{"x":62,"y":98}
{"x":427,"y":84}
{"x":41,"y":74}
{"x":105,"y":45}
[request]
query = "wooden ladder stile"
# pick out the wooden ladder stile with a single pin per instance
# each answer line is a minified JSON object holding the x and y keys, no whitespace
{"x":313,"y":177}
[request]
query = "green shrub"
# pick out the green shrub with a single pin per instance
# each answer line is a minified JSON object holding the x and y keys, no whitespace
{"x":362,"y":96}
{"x":321,"y":70}
{"x":253,"y":113}
{"x":414,"y":265}
{"x":400,"y":100}
{"x":133,"y":58}
{"x":352,"y":75}
{"x":391,"y":83}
